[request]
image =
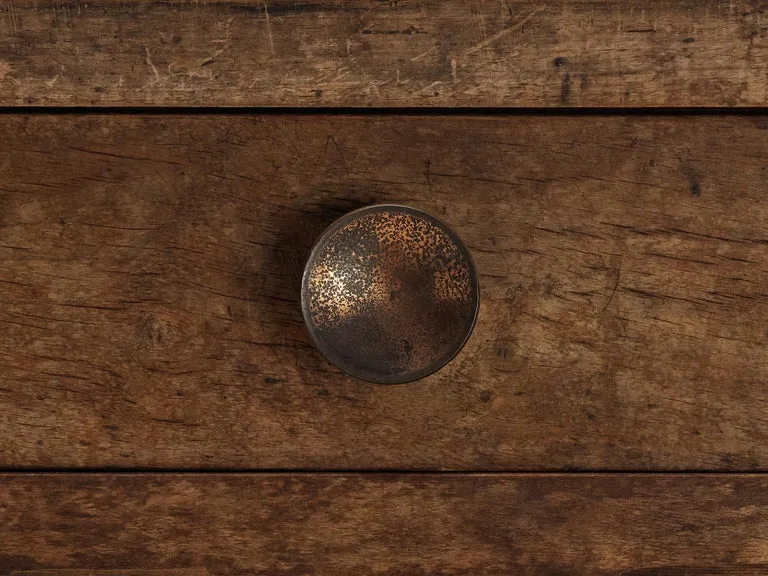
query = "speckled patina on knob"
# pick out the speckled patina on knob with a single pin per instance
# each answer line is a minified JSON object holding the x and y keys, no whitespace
{"x":389,"y":294}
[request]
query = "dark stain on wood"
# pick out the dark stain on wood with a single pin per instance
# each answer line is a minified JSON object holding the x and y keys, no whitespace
{"x":10,"y":564}
{"x":695,"y":186}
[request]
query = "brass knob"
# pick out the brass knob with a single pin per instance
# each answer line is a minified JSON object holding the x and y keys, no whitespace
{"x":389,"y":294}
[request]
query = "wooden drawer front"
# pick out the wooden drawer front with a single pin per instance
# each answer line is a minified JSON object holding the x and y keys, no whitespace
{"x":151,"y":267}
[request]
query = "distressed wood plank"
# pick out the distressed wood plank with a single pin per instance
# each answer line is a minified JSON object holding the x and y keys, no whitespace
{"x":150,"y":282}
{"x":383,"y":53}
{"x":170,"y":525}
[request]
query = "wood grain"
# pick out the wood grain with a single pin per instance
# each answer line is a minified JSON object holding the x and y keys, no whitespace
{"x":150,"y":292}
{"x":383,"y":53}
{"x":563,"y":525}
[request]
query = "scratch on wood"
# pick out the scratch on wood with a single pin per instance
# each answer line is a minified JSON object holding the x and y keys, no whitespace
{"x":5,"y":69}
{"x":422,"y":55}
{"x":330,"y":139}
{"x":151,"y":65}
{"x":225,"y":42}
{"x":50,"y":83}
{"x":12,"y":15}
{"x":269,"y":30}
{"x":502,"y":33}
{"x":431,"y":87}
{"x":615,"y":286}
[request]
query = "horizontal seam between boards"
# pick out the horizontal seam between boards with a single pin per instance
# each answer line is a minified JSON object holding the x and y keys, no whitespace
{"x":377,"y":111}
{"x":371,"y":472}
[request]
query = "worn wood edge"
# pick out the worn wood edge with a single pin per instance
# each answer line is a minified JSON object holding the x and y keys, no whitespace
{"x":387,"y":54}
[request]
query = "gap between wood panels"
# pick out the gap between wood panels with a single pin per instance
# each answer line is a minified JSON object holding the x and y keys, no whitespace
{"x":389,"y":111}
{"x":368,"y":472}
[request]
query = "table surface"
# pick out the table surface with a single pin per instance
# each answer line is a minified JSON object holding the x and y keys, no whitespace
{"x":166,"y":167}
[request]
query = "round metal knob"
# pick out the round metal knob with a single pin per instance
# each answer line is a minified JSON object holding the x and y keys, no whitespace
{"x":389,"y":294}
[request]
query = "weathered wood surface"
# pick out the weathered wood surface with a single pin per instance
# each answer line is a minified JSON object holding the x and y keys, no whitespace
{"x":383,"y":53}
{"x":150,"y":292}
{"x":195,"y":525}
